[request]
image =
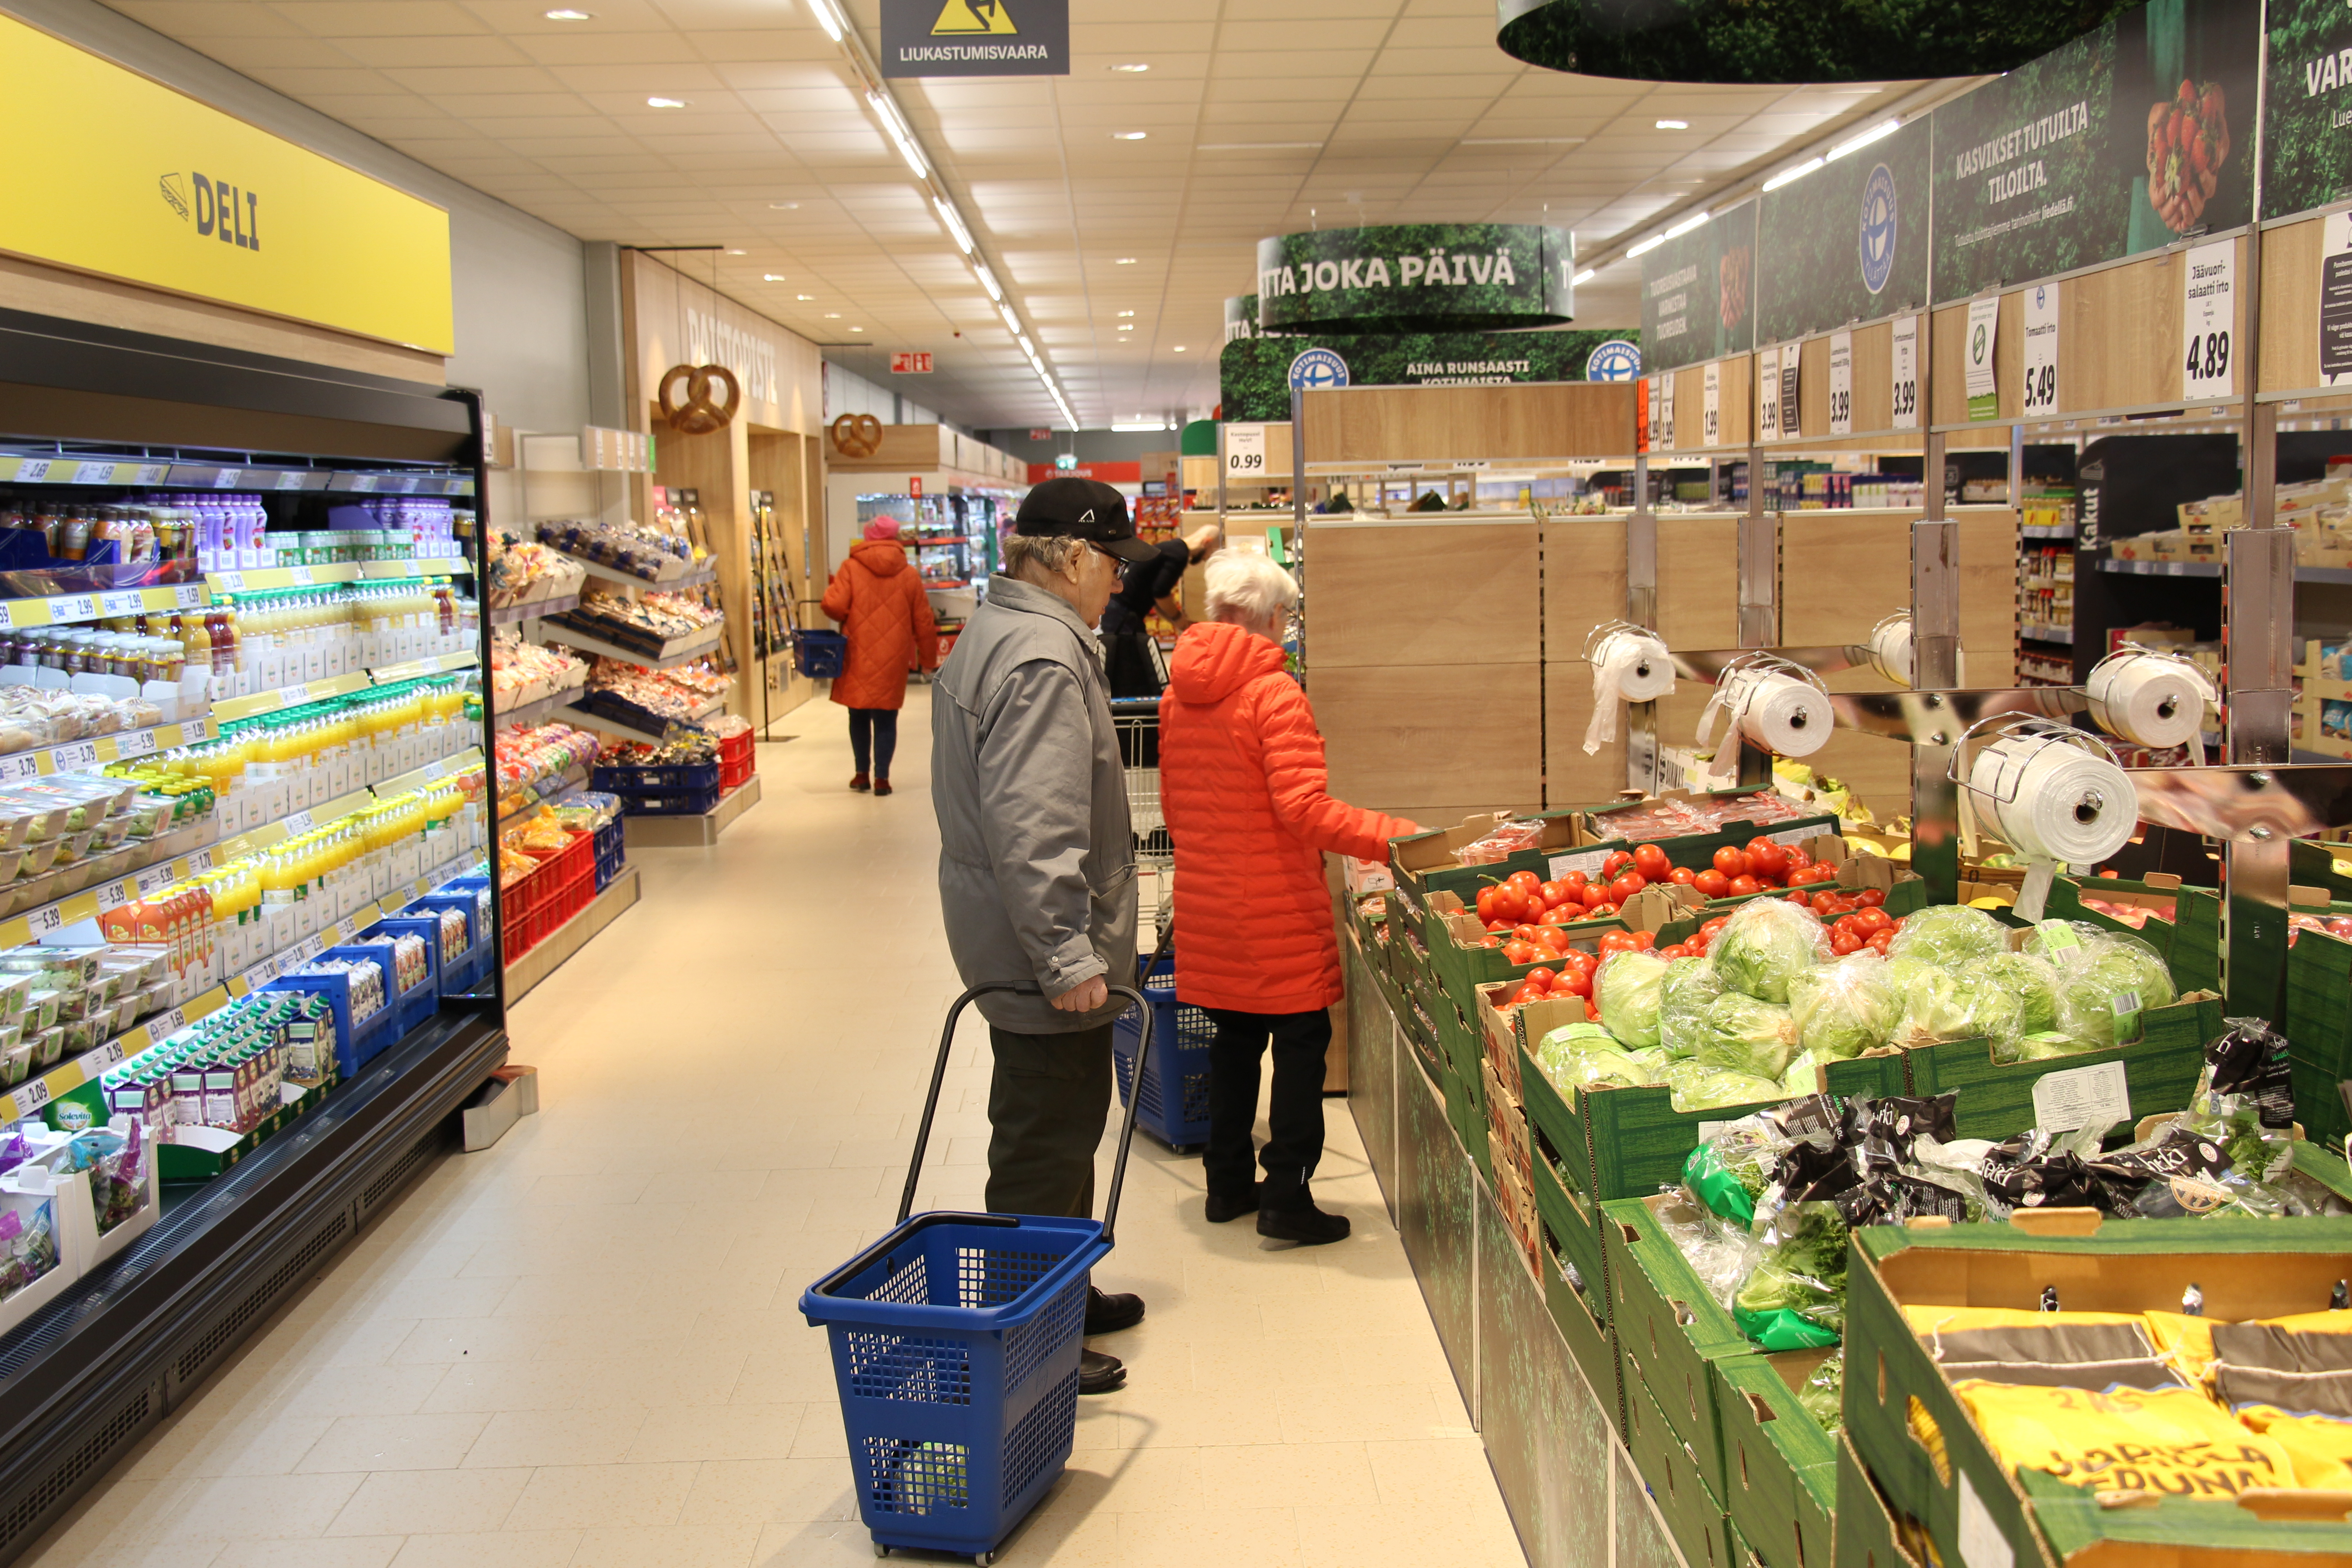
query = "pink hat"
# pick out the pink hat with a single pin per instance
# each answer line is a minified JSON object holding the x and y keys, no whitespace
{"x":884,"y":528}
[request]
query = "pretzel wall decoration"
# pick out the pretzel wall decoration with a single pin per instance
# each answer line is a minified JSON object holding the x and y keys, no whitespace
{"x":857,"y":435}
{"x":700,"y":415}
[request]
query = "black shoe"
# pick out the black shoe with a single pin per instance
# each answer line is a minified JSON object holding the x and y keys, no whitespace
{"x":881,"y":786}
{"x":1221,"y":1208}
{"x":1293,"y":1216}
{"x":856,"y":781}
{"x":1099,"y":1373}
{"x":1108,"y":1314}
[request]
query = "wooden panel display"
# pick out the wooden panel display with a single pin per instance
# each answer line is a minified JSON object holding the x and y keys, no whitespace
{"x":1988,"y":595}
{"x":1844,"y":571}
{"x":2291,"y":258}
{"x":913,"y":449}
{"x":1877,"y":770}
{"x":1698,"y":581}
{"x":1571,"y":777}
{"x":1424,"y":590}
{"x":1368,"y":426}
{"x":1584,"y":580}
{"x":1407,"y":737}
{"x":1734,"y":404}
{"x":1949,"y":352}
{"x":1873,"y":392}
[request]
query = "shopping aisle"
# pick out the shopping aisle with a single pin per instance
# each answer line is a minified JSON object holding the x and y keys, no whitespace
{"x":581,"y":1347}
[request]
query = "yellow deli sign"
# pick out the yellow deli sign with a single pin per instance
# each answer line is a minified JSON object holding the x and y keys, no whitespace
{"x":118,"y":176}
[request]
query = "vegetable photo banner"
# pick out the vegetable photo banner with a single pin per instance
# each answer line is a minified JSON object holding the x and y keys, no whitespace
{"x":2307,"y":112}
{"x":1255,"y":374}
{"x":1416,"y":278}
{"x":2131,"y":138}
{"x":1845,"y":243}
{"x":1698,"y":293}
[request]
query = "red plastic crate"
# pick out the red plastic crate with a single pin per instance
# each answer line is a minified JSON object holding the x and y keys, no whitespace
{"x":534,"y":904}
{"x":733,"y":775}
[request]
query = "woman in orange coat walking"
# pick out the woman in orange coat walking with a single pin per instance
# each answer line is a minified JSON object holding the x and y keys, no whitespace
{"x":1243,"y":785}
{"x":880,"y":601}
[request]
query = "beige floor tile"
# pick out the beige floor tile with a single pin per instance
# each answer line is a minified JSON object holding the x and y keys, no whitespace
{"x":595,"y":1497}
{"x":429,"y":1502}
{"x":534,"y":1438}
{"x":498,"y":1548}
{"x":675,"y":1546}
{"x":366,"y":1551}
{"x":394,"y":1443}
{"x":262,"y":1507}
{"x":1277,"y":1476}
{"x":826,"y":1545}
{"x":771,"y":1491}
{"x":727,"y":1432}
{"x":1261,"y":1537}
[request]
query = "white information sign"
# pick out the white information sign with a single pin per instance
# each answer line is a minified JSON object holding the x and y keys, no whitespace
{"x":1711,"y":404}
{"x":2208,"y":312}
{"x":2040,"y":399}
{"x":1976,"y":357}
{"x":1245,"y":451}
{"x":1841,"y":383}
{"x":1767,"y":394}
{"x":1905,"y":388}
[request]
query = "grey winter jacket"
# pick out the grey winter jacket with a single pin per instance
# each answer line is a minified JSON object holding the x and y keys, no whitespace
{"x":1036,"y":860}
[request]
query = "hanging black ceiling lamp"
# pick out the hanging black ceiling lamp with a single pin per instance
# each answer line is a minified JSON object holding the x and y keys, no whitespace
{"x":1791,"y":40}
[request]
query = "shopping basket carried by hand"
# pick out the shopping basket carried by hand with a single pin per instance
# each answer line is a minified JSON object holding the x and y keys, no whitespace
{"x":955,"y":1347}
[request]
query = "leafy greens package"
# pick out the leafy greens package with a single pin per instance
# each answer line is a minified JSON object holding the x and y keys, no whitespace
{"x":1583,"y":1055}
{"x":1844,"y":1008}
{"x":1690,"y":984}
{"x":1765,"y":945}
{"x":2007,"y":996}
{"x":1933,"y":1006}
{"x":2102,"y":993}
{"x":1743,"y":1035}
{"x":1948,"y":936}
{"x":1626,"y":988}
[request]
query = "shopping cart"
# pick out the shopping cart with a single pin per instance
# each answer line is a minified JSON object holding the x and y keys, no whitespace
{"x":1137,"y":721}
{"x":955,"y":1349}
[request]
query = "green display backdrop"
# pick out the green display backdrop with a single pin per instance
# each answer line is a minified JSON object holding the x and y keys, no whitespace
{"x":1789,"y":41}
{"x":2127,"y":140}
{"x":2307,"y":129}
{"x":1255,"y":373}
{"x":1698,"y":293}
{"x":1416,"y":278}
{"x":1847,"y":242}
{"x":1241,"y":317}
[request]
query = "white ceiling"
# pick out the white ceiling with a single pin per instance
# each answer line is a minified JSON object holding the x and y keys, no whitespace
{"x":1386,"y":110}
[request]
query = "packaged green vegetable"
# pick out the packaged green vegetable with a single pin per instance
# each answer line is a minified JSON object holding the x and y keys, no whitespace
{"x":1765,"y":945}
{"x":1698,"y":1085}
{"x":1795,"y":1298}
{"x":1844,"y":1008}
{"x":1933,"y":1006}
{"x":1728,"y":1171}
{"x":1584,"y":1056}
{"x":1626,"y":989}
{"x":1690,"y":984}
{"x":2102,"y":996}
{"x":1949,"y":935}
{"x":1743,"y":1035}
{"x":2009,"y":997}
{"x":1823,"y":1394}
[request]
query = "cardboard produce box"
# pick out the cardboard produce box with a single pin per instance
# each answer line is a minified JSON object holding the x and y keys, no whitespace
{"x":1693,"y":1515}
{"x":2247,"y":1270}
{"x":1578,"y":1309}
{"x":2317,"y":1023}
{"x":1696,"y":850}
{"x":1867,"y":1533}
{"x":1431,"y":862}
{"x":2153,"y":1075}
{"x":1779,"y":1465}
{"x":1573,"y":1223}
{"x":1669,"y":1329}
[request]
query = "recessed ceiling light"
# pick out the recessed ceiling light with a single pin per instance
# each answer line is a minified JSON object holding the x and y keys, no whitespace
{"x":1123,"y":261}
{"x":738,"y":253}
{"x":1674,"y":124}
{"x":1179,"y":348}
{"x":1129,"y":135}
{"x":664,"y":103}
{"x":774,"y":278}
{"x":857,"y":329}
{"x":1126,"y":313}
{"x":1132,"y":68}
{"x":570,"y":15}
{"x":784,"y":206}
{"x":1587,"y":275}
{"x":804,"y":297}
{"x":833,"y":315}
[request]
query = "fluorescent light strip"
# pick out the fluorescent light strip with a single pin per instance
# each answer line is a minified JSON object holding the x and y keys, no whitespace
{"x":904,"y":139}
{"x":828,"y":18}
{"x":1646,"y":246}
{"x":1133,"y":429}
{"x":1688,"y":224}
{"x":988,"y":281}
{"x":1789,"y":176}
{"x":954,"y":220}
{"x":1586,"y":276}
{"x":1879,"y":131}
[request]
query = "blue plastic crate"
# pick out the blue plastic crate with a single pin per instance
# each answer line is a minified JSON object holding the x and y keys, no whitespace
{"x":463,"y":974}
{"x":612,"y":852}
{"x":629,"y":781}
{"x":955,"y":1346}
{"x":1174,"y":1107}
{"x":423,"y":999}
{"x":690,"y":803}
{"x":818,"y":655}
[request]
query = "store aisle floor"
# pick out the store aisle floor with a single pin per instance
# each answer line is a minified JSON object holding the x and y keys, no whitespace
{"x":580,"y":1348}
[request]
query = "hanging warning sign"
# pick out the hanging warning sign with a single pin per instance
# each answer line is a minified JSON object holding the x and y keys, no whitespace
{"x":975,"y":37}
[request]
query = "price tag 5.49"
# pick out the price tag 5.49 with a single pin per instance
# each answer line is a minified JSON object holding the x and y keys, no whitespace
{"x":2040,"y":392}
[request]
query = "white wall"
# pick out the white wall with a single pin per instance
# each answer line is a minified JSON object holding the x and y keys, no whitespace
{"x":517,"y":282}
{"x":847,"y":392}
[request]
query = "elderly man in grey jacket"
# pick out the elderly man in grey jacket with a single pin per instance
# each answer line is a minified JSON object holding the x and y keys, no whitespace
{"x":1036,"y":856}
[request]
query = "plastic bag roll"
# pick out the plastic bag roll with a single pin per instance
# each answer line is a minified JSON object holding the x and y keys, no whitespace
{"x":2149,"y":699}
{"x":1890,"y":649}
{"x":1629,"y":665}
{"x":1781,"y":714}
{"x":2054,"y":801}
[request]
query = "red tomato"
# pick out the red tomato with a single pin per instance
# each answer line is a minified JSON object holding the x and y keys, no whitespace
{"x":1871,"y":919}
{"x":1745,"y":884}
{"x":1583,"y":958}
{"x":1845,"y":942}
{"x":1879,"y":941}
{"x":1552,"y":940}
{"x":1618,"y":941}
{"x":1539,"y":978}
{"x":1516,"y":953}
{"x":1626,"y":886}
{"x":1645,"y":940}
{"x":1524,"y":932}
{"x":1712,"y":884}
{"x":1574,"y":882}
{"x":1562,"y":914}
{"x":1572,"y":982}
{"x":1551,"y":892}
{"x":1678,"y":949}
{"x":1597,"y":911}
{"x":1528,"y":993}
{"x":1712,"y":926}
{"x":1683,"y":875}
{"x":1498,"y":925}
{"x":1525,"y":881}
{"x":1825,"y":903}
{"x":1797,"y":895}
{"x":1769,"y":859}
{"x":1652,"y":862}
{"x":1617,"y":861}
{"x":1592,"y":1011}
{"x":1595,"y":895}
{"x":1492,"y":941}
{"x":1730,"y":861}
{"x":2110,"y":873}
{"x":1815,"y":872}
{"x":1798,"y":855}
{"x":1870,"y":898}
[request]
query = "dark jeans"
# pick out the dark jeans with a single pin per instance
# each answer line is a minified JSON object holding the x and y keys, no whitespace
{"x":1046,"y":1102}
{"x":1296,"y":1115}
{"x":882,"y":725}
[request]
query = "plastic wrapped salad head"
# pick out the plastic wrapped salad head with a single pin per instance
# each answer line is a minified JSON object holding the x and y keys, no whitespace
{"x":2009,"y":997}
{"x":1582,"y":1056}
{"x":1697,"y":1086}
{"x":1795,"y":1298}
{"x":1744,"y":1036}
{"x":1934,"y":1008}
{"x":1626,"y":990}
{"x":2102,"y":996}
{"x":1765,"y":945}
{"x":1949,"y":935}
{"x":1844,"y":1008}
{"x":1690,"y":984}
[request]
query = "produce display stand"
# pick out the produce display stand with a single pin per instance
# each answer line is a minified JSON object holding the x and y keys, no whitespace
{"x":549,"y":954}
{"x":698,"y":830}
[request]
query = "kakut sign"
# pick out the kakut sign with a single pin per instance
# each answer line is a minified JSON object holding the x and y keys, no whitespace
{"x":1416,"y":278}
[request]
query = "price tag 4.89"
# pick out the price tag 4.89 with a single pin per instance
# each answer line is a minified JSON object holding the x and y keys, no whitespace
{"x":2208,"y":314}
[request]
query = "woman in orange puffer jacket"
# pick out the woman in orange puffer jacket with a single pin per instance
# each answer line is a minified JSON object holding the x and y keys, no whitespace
{"x":879,"y":600}
{"x":1242,"y":786}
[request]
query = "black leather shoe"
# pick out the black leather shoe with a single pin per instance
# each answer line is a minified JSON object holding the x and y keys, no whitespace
{"x":1221,"y":1207}
{"x":1296,"y":1218}
{"x":1099,"y":1373}
{"x":1108,"y":1314}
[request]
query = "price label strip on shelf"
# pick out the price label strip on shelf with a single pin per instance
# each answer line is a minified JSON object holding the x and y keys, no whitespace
{"x":2038,"y":397}
{"x":2209,"y":316}
{"x":1841,"y":383}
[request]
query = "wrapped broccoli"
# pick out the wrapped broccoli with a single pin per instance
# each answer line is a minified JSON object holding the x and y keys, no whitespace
{"x":1949,"y":935}
{"x":1626,"y":988}
{"x":1690,"y":984}
{"x":1765,"y":945}
{"x":1844,"y":1008}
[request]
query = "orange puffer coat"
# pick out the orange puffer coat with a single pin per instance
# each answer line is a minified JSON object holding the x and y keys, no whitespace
{"x":880,"y":601}
{"x":1243,"y":785}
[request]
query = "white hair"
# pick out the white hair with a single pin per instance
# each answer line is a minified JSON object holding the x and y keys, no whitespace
{"x":1246,"y":589}
{"x":1037,"y":559}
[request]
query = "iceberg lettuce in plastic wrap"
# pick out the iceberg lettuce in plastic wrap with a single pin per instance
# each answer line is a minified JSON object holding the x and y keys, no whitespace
{"x":1581,"y":1055}
{"x":1765,"y":945}
{"x":1690,"y":984}
{"x":2102,"y":994}
{"x":1949,"y":935}
{"x":1698,"y":1085}
{"x":1744,"y":1036}
{"x":1844,"y":1008}
{"x":1934,"y":1007}
{"x":2009,"y":996}
{"x":1626,"y":990}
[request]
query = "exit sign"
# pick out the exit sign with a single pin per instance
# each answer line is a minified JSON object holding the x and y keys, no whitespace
{"x":1041,"y":434}
{"x":909,"y":362}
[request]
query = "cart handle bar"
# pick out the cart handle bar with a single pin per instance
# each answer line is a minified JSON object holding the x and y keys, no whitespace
{"x":938,"y":1076}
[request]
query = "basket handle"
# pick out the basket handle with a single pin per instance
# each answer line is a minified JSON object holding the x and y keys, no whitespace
{"x":940,"y":1073}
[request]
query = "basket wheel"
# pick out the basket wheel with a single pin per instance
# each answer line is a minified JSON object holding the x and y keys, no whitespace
{"x":881,"y":1550}
{"x":983,"y":1558}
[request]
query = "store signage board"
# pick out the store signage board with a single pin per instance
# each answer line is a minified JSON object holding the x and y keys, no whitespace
{"x":2038,"y":396}
{"x":1847,"y":242}
{"x":1767,"y":394}
{"x":1905,"y":363}
{"x":137,"y":182}
{"x":911,"y":363}
{"x":1711,"y":404}
{"x":2091,"y":154}
{"x":975,"y":37}
{"x":2336,"y":298}
{"x":1253,"y":373}
{"x":1841,"y":383}
{"x":1697,"y":292}
{"x":1416,"y":278}
{"x":1662,"y":419}
{"x":1245,"y":451}
{"x":2306,"y":140}
{"x":2209,"y":316}
{"x":1976,"y":357}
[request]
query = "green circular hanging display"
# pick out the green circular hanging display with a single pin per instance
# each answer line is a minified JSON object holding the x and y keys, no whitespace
{"x":1791,"y":40}
{"x":1416,"y":278}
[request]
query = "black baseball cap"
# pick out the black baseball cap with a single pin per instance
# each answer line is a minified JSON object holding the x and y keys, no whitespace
{"x":1073,"y":507}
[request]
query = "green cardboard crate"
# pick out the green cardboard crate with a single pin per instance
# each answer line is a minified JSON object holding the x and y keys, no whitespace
{"x":2318,"y":1025}
{"x":1670,"y":1331}
{"x":1780,"y":1466}
{"x":1571,"y":1222}
{"x":2190,"y":942}
{"x":1694,"y":1516}
{"x":2312,"y":863}
{"x":2160,"y":1073}
{"x":1867,"y":1536}
{"x":1591,"y":1341}
{"x":2247,"y":1269}
{"x":1426,"y":863}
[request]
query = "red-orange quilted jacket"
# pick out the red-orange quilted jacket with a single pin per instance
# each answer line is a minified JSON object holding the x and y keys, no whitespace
{"x":1242,"y":784}
{"x":883,"y":610}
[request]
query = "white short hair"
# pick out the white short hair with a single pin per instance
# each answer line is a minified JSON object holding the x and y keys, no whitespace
{"x":1038,"y":558}
{"x":1247,"y":588}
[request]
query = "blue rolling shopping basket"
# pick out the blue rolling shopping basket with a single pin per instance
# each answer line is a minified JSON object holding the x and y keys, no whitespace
{"x":1173,"y":1103}
{"x":955,"y":1350}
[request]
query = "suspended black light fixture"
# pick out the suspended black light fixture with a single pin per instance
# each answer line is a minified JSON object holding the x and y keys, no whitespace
{"x":1791,"y":40}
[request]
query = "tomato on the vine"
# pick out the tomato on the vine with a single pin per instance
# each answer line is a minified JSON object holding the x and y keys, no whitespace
{"x":1730,"y":861}
{"x":1745,"y":884}
{"x":1616,"y":861}
{"x":1626,"y":886}
{"x":1683,"y":875}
